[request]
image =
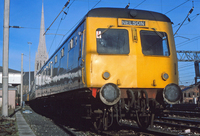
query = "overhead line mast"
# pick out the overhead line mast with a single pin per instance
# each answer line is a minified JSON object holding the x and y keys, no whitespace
{"x":5,"y":57}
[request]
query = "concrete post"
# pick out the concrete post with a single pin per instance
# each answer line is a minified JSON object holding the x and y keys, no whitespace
{"x":29,"y":43}
{"x":21,"y":79}
{"x":5,"y":57}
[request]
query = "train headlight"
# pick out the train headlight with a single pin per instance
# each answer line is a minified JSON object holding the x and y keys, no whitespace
{"x":110,"y":94}
{"x":106,"y":75}
{"x":172,"y":93}
{"x":165,"y":76}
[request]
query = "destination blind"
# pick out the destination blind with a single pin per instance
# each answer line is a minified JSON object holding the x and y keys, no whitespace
{"x":133,"y":23}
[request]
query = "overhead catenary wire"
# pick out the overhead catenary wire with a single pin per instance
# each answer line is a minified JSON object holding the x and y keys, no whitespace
{"x":190,"y":75}
{"x":177,"y":6}
{"x":191,"y":10}
{"x":187,"y":41}
{"x":184,"y":69}
{"x":102,"y":1}
{"x":139,"y":4}
{"x":96,"y":4}
{"x":185,"y":66}
{"x":77,"y":22}
{"x":190,"y":80}
{"x":192,"y":18}
{"x":187,"y":74}
{"x":55,"y":35}
{"x":63,"y":17}
{"x":180,"y":66}
{"x":180,"y":24}
{"x":69,"y":31}
{"x":57,"y":16}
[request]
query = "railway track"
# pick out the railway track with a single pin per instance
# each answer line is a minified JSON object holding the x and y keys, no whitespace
{"x":154,"y":130}
{"x":173,"y":123}
{"x":178,"y":125}
{"x":128,"y":128}
{"x":184,"y":122}
{"x":180,"y":113}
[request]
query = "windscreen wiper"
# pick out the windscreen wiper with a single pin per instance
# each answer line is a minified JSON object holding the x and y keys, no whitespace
{"x":105,"y":30}
{"x":159,"y":34}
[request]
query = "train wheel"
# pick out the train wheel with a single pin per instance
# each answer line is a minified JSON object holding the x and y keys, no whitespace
{"x":143,"y":121}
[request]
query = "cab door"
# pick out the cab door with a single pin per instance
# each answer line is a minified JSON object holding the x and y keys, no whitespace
{"x":81,"y":58}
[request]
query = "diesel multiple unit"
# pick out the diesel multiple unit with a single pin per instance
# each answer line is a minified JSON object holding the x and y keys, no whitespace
{"x":116,"y":64}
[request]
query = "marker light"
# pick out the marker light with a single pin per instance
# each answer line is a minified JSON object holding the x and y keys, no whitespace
{"x":106,"y":75}
{"x":165,"y":76}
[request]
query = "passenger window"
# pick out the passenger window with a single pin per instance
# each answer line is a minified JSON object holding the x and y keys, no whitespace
{"x":56,"y":59}
{"x":39,"y":79}
{"x":45,"y":73}
{"x":71,"y":44}
{"x":75,"y":41}
{"x":62,"y":52}
{"x":51,"y":69}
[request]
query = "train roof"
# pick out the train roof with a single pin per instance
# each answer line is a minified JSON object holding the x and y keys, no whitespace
{"x":127,"y":13}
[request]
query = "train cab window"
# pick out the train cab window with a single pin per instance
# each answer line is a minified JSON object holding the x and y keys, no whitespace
{"x":154,"y":43}
{"x":112,"y":41}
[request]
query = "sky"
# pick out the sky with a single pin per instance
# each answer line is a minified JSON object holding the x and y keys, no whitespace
{"x":27,"y":14}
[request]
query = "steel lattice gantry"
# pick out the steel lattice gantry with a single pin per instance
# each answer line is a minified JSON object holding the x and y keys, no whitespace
{"x":188,"y":56}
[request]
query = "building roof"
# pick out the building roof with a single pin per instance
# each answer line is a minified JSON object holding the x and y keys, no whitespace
{"x":9,"y":87}
{"x":127,"y":13}
{"x":9,"y":70}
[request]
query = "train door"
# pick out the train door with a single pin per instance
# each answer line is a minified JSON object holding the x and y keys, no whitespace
{"x":80,"y":60}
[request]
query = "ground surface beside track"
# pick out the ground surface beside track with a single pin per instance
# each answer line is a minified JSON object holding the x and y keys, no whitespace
{"x":41,"y":125}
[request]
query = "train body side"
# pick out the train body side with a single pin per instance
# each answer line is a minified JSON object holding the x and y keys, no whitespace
{"x":63,"y":71}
